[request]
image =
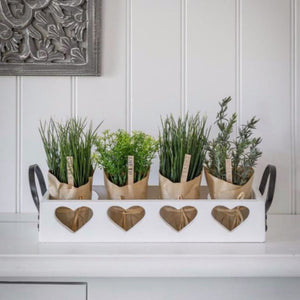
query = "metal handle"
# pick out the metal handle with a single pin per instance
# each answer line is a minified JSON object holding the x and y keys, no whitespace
{"x":35,"y":170}
{"x":269,"y":173}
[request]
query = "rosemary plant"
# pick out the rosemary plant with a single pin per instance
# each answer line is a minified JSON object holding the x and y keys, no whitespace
{"x":243,"y":150}
{"x":71,"y":138}
{"x":113,"y":149}
{"x":186,"y":135}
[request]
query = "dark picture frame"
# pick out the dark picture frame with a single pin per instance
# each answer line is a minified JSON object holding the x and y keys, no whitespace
{"x":50,"y":37}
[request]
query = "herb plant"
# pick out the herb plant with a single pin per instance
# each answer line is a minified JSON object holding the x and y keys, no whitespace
{"x":186,"y":135}
{"x":71,"y":138}
{"x":243,"y":150}
{"x":113,"y":149}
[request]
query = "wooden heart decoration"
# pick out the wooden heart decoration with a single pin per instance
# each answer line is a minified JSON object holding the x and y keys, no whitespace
{"x":126,"y":218}
{"x":73,"y":219}
{"x":230,"y":218}
{"x":178,"y":218}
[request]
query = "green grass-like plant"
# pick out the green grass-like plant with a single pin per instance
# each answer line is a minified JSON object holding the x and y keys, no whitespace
{"x":242,"y":150}
{"x":187,"y":135}
{"x":71,"y":138}
{"x":113,"y":149}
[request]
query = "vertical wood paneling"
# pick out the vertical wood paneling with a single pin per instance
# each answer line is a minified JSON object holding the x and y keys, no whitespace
{"x":183,"y":38}
{"x":156,"y":64}
{"x":8,"y":154}
{"x":19,"y":132}
{"x":104,"y":98}
{"x":43,"y":97}
{"x":293,"y":85}
{"x":266,"y":87}
{"x":297,"y":106}
{"x":211,"y":34}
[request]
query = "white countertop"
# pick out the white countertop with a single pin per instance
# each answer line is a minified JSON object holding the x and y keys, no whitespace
{"x":21,"y":255}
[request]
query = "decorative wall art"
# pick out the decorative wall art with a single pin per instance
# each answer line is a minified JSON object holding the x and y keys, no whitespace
{"x":49,"y":37}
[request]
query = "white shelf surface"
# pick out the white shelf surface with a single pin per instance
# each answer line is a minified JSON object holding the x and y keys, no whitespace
{"x":21,"y":255}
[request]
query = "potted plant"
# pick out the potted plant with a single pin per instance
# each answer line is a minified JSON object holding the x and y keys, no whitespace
{"x":126,"y":160}
{"x":230,"y":166}
{"x":68,"y":150}
{"x":182,"y":150}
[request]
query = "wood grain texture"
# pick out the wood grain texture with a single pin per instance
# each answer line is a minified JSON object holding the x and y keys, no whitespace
{"x":45,"y":37}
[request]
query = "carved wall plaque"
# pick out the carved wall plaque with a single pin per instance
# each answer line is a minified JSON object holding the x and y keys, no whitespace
{"x":49,"y":37}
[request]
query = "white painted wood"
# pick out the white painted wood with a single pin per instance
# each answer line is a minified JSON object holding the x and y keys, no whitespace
{"x":155,"y":62}
{"x":152,"y":228}
{"x":42,"y":98}
{"x":155,"y":65}
{"x":186,"y":288}
{"x":211,"y":59}
{"x":8,"y":153}
{"x":297,"y":105}
{"x":267,"y":88}
{"x":103,"y":98}
{"x":195,"y":288}
{"x":33,"y":291}
{"x":22,"y":255}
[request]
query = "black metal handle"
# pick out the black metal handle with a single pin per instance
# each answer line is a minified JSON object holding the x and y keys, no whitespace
{"x":35,"y":170}
{"x":269,"y":173}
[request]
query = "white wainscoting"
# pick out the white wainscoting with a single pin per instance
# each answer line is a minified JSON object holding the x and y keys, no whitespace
{"x":171,"y":56}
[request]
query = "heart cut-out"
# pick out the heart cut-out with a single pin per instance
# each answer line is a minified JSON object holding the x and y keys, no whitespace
{"x":230,"y":218}
{"x":126,"y":218}
{"x":73,"y":219}
{"x":178,"y":218}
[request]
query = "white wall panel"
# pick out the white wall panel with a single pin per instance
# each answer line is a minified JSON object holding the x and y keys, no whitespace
{"x":211,"y":30}
{"x":155,"y":40}
{"x":297,"y":103}
{"x":266,"y":87}
{"x":103,"y":98}
{"x":8,"y":152}
{"x":42,"y":98}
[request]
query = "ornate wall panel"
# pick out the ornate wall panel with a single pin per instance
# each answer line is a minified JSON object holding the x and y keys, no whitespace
{"x":49,"y":37}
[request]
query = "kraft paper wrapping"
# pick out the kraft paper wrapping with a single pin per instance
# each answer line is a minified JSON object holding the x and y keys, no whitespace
{"x":179,"y":190}
{"x":138,"y":190}
{"x":64,"y":191}
{"x":74,"y":220}
{"x":230,"y":218}
{"x":220,"y":189}
{"x":126,"y":218}
{"x":178,"y":218}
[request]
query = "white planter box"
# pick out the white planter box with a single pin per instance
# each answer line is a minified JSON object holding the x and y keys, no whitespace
{"x":152,"y":228}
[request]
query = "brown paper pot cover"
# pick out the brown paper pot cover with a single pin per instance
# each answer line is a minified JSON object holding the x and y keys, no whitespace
{"x":179,"y":190}
{"x":64,"y":191}
{"x":138,"y":190}
{"x":221,"y":189}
